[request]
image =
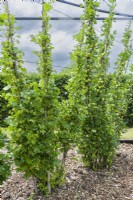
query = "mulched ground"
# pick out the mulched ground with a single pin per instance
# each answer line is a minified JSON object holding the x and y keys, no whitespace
{"x":81,"y":183}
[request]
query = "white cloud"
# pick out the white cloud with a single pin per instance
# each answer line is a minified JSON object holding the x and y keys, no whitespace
{"x":24,"y":8}
{"x":60,"y":43}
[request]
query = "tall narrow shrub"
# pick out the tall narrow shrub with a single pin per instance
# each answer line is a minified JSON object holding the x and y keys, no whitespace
{"x":99,"y":137}
{"x":120,"y":87}
{"x":33,"y":119}
{"x":48,"y":94}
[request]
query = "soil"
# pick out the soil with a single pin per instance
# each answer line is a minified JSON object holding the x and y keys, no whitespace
{"x":115,"y":183}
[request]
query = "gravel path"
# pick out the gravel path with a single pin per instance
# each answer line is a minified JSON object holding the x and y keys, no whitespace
{"x":81,"y":183}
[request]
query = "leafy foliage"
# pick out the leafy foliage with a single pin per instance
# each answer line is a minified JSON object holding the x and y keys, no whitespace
{"x":119,"y":86}
{"x":4,"y":160}
{"x":34,"y":104}
{"x":100,"y":104}
{"x":61,"y":81}
{"x":49,"y":100}
{"x":88,"y":112}
{"x":128,"y":118}
{"x":4,"y":109}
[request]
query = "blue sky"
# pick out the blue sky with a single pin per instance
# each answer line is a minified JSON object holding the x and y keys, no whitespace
{"x":61,"y":31}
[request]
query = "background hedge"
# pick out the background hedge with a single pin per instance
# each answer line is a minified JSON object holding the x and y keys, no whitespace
{"x":129,"y":115}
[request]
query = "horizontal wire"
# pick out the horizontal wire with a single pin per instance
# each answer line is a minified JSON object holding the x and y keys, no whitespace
{"x":77,"y":20}
{"x":99,"y":10}
{"x":26,"y":61}
{"x":69,"y":18}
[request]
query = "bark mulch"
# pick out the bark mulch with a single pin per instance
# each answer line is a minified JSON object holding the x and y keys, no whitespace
{"x":81,"y":183}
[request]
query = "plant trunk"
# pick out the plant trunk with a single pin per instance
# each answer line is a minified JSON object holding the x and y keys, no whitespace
{"x":35,"y":185}
{"x":49,"y":185}
{"x":64,"y":158}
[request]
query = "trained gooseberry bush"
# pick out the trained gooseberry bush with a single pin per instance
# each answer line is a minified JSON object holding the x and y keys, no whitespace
{"x":103,"y":106}
{"x":41,"y":125}
{"x":34,"y":105}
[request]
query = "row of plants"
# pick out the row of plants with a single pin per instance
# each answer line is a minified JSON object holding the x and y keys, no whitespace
{"x":46,"y":119}
{"x":61,"y":81}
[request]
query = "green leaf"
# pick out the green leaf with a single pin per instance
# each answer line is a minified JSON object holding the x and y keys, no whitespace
{"x":7,"y":87}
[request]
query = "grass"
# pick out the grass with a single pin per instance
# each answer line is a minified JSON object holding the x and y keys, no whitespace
{"x":128,"y":135}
